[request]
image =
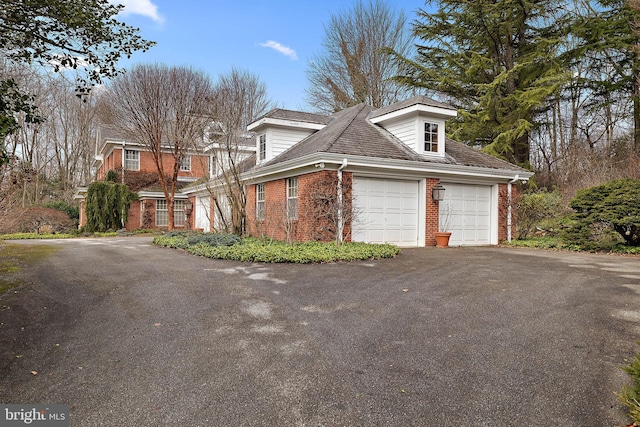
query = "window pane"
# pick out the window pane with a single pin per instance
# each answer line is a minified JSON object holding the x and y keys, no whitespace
{"x":131,"y":160}
{"x":178,"y":213}
{"x":263,"y":147}
{"x":185,"y":163}
{"x":260,"y":201}
{"x":162,"y":215}
{"x":292,"y":198}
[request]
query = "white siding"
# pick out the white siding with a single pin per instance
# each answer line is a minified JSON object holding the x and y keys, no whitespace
{"x":405,"y":131}
{"x":279,"y":140}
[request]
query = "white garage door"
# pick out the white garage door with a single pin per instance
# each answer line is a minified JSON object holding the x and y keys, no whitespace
{"x":468,"y":208}
{"x":386,"y":211}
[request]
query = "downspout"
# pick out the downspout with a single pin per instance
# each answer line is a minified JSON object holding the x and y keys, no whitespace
{"x":509,"y":208}
{"x":122,"y":165}
{"x":340,"y":222}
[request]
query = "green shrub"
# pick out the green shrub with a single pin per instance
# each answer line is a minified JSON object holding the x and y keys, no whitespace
{"x":72,"y":211}
{"x":213,"y":239}
{"x":611,"y":206}
{"x":256,"y":250}
{"x":534,"y":209}
{"x":630,"y":395}
{"x":24,"y":236}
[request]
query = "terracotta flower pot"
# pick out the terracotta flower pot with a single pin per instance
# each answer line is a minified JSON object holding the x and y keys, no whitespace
{"x":442,"y":239}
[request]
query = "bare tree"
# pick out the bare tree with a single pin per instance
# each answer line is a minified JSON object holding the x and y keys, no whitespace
{"x":165,"y":109}
{"x":239,"y":98}
{"x":353,"y":67}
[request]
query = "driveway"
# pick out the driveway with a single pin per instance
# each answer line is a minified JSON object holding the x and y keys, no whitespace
{"x":130,"y":334}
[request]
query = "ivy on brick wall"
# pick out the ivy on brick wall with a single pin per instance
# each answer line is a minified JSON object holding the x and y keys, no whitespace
{"x":107,"y":205}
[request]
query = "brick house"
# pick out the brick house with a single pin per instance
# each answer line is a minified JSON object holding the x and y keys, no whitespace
{"x":134,"y":164}
{"x":388,"y":164}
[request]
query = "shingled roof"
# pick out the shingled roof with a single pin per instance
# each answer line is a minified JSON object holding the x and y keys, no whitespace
{"x":350,"y":132}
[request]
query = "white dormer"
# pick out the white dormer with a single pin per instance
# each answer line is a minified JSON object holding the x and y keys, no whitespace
{"x":419,"y":123}
{"x":280,"y":130}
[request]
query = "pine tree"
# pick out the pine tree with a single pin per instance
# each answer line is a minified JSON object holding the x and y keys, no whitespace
{"x":495,"y":60}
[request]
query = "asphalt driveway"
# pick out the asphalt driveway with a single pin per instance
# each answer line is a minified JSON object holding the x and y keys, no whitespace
{"x":129,"y":334}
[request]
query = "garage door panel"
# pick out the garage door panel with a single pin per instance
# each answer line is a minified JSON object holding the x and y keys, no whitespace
{"x":470,"y":213}
{"x":387,"y":210}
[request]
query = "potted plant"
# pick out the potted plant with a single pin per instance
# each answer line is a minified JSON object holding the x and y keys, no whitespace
{"x":444,"y":221}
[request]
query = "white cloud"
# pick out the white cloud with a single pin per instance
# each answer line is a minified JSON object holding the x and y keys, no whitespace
{"x":140,"y":7}
{"x":287,"y":51}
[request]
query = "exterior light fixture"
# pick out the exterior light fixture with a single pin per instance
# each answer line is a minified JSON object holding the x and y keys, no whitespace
{"x":188,"y":209}
{"x":437,"y":193}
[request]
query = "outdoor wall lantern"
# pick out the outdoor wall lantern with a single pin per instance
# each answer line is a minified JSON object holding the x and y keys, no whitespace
{"x":188,"y":208}
{"x":437,"y":192}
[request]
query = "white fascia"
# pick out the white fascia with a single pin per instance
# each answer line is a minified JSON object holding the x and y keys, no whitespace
{"x":267,"y":121}
{"x":384,"y":167}
{"x":443,"y":113}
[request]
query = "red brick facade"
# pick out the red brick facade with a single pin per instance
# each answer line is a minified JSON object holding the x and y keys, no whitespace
{"x":145,"y":217}
{"x":307,"y":226}
{"x":275,"y":224}
{"x":113,"y":161}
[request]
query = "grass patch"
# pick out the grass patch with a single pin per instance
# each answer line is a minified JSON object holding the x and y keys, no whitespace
{"x":630,"y":395}
{"x":552,"y":242}
{"x":257,"y":250}
{"x":14,"y":258}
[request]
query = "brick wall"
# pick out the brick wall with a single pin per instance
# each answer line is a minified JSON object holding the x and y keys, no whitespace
{"x":307,"y":226}
{"x":432,"y":213}
{"x":199,"y":164}
{"x":503,"y":211}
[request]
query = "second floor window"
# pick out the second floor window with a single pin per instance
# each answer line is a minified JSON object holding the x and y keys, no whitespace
{"x":185,"y":163}
{"x":292,"y":198}
{"x":262,"y":152}
{"x":132,"y":160}
{"x":431,"y":137}
{"x":260,"y":202}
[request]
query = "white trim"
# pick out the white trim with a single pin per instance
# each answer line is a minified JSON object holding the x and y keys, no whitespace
{"x":267,"y":121}
{"x":383,"y":165}
{"x":416,"y":109}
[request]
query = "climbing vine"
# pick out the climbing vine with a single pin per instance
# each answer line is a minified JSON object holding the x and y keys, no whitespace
{"x":107,"y":205}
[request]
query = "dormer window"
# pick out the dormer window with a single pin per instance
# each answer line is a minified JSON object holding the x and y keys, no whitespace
{"x":262,"y":147}
{"x":431,"y":137}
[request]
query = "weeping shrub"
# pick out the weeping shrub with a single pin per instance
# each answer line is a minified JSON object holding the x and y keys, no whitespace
{"x":107,"y":206}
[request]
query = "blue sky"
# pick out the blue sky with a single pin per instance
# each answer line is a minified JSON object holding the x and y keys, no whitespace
{"x":272,"y":39}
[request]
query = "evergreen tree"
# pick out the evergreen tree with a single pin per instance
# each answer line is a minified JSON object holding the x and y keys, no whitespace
{"x":495,"y":60}
{"x":607,"y":43}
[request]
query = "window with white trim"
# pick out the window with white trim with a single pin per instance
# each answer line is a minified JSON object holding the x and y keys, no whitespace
{"x":260,"y":202}
{"x":292,"y":198}
{"x":262,"y":147}
{"x":179,"y":215}
{"x":162,"y":213}
{"x":185,"y":163}
{"x":431,"y":137}
{"x":132,"y":160}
